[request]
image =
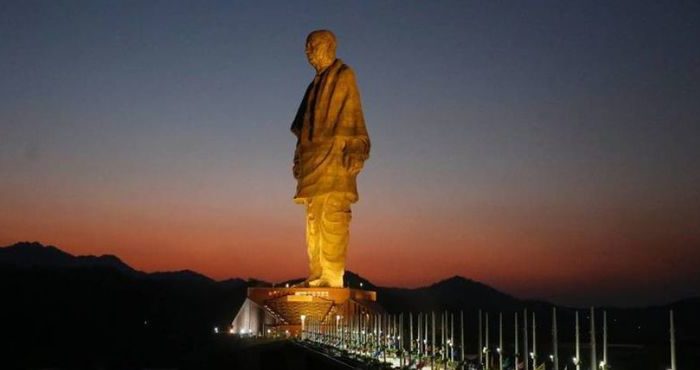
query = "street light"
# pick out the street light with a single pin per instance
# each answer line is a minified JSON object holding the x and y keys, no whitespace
{"x":303,"y":319}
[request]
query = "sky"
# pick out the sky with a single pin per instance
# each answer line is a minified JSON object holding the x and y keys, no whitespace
{"x":549,"y":150}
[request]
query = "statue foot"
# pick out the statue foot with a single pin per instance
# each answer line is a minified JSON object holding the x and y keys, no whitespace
{"x":303,"y":284}
{"x":307,"y":283}
{"x":318,"y":283}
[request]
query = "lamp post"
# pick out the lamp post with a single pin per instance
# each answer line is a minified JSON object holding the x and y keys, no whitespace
{"x":605,"y":339}
{"x":555,"y":345}
{"x":420,"y":334}
{"x":672,"y":334}
{"x":401,"y":341}
{"x":500,"y":341}
{"x":593,"y":351}
{"x":486,"y":342}
{"x":303,"y":325}
{"x":410,"y":332}
{"x":337,"y":327}
{"x":534,"y":343}
{"x":425,"y":334}
{"x":577,"y":359}
{"x":443,"y":335}
{"x":461,"y":336}
{"x":481,"y":345}
{"x":452,"y":336}
{"x":517,"y":349}
{"x":525,"y":351}
{"x":432,"y":342}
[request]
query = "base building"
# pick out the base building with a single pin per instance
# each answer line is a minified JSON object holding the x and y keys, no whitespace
{"x":286,"y":311}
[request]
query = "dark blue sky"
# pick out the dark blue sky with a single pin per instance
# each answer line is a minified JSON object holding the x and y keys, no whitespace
{"x":564,"y":133}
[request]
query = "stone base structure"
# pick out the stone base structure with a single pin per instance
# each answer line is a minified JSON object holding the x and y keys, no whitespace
{"x":280,"y":311}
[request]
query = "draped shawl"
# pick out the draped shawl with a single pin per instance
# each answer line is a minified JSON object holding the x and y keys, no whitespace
{"x":329,"y":125}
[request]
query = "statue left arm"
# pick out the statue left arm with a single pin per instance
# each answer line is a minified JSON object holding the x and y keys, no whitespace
{"x":357,"y":145}
{"x":355,"y":154}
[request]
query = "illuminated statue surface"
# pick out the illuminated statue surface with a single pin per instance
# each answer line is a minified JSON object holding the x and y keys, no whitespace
{"x":332,"y":145}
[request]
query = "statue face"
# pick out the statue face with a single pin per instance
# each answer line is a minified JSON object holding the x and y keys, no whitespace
{"x":318,"y":53}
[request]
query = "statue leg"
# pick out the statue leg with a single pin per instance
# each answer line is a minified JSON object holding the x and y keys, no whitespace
{"x":334,"y":238}
{"x":313,"y":214}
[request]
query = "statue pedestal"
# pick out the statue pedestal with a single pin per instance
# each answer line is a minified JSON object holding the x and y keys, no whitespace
{"x":269,"y":311}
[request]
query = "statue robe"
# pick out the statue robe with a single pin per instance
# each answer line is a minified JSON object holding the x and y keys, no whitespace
{"x":329,"y":125}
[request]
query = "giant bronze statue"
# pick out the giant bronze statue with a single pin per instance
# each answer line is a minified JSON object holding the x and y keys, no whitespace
{"x":332,"y":146}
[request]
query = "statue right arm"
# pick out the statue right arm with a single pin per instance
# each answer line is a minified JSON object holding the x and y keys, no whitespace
{"x":298,"y":121}
{"x":296,"y":169}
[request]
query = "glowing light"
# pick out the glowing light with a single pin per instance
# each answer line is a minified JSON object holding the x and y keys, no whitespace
{"x":216,"y":329}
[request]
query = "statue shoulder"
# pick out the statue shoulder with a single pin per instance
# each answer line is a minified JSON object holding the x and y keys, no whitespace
{"x":346,"y":75}
{"x":345,"y":71}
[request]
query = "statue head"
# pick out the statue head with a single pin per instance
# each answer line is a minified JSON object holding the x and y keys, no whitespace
{"x":320,"y":49}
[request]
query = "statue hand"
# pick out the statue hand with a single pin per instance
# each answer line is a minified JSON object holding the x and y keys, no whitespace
{"x":352,"y":163}
{"x":296,"y":169}
{"x":355,"y":166}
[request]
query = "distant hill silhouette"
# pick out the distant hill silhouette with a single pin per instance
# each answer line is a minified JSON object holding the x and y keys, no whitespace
{"x":450,"y":294}
{"x":182,"y":275}
{"x":453,"y":293}
{"x":37,"y":255}
{"x":88,"y":311}
{"x":34,"y":254}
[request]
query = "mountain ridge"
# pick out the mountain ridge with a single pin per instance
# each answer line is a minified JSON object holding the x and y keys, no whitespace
{"x":36,"y":254}
{"x":97,"y":300}
{"x":33,"y":254}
